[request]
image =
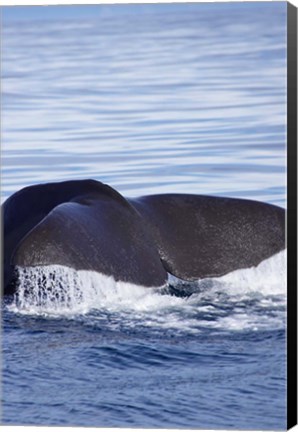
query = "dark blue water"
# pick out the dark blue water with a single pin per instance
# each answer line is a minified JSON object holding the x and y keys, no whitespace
{"x":187,"y":98}
{"x":73,"y":372}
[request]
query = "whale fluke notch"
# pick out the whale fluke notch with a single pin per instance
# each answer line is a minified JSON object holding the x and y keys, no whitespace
{"x":87,"y":225}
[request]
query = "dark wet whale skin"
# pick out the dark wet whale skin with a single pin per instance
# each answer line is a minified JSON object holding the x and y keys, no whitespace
{"x":87,"y":225}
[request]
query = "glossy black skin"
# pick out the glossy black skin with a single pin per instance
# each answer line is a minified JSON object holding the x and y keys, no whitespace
{"x":87,"y":225}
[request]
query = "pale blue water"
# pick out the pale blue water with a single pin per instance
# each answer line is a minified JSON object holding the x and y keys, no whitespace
{"x":149,"y":99}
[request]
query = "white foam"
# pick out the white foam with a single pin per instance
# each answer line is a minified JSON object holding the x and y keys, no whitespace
{"x":244,"y":299}
{"x":59,"y":290}
{"x":269,"y":277}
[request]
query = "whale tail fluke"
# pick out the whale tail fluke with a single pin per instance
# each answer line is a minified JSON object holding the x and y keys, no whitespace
{"x":87,"y":225}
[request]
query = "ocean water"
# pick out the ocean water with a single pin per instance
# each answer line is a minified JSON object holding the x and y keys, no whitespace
{"x":186,"y":98}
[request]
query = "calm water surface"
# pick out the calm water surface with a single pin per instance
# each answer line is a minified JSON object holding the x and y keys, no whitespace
{"x":155,"y":99}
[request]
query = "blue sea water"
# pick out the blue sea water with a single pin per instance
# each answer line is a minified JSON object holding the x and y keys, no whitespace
{"x":149,"y":99}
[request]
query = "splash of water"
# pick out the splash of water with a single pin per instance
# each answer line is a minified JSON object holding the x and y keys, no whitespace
{"x":249,"y":298}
